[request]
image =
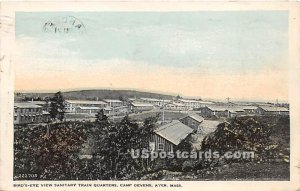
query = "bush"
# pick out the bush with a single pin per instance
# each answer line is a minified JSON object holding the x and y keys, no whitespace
{"x":189,"y":165}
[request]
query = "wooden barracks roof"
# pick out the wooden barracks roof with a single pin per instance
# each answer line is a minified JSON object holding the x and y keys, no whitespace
{"x":210,"y":124}
{"x":175,"y":131}
{"x":195,"y":117}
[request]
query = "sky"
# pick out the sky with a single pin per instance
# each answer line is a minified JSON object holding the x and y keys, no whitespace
{"x":242,"y":55}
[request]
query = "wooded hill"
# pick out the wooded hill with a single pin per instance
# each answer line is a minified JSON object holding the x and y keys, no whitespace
{"x":94,"y":94}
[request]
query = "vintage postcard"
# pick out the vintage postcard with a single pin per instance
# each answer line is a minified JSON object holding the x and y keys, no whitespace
{"x":149,"y":96}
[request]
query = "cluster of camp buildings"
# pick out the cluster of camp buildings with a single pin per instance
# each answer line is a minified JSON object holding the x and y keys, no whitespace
{"x":38,"y":111}
{"x":240,"y":110}
{"x":169,"y":135}
{"x":31,"y":112}
{"x":203,"y":108}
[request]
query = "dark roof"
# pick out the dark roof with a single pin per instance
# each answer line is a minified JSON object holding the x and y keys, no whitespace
{"x":195,"y":117}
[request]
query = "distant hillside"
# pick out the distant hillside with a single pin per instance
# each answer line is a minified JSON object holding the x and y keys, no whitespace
{"x":94,"y":94}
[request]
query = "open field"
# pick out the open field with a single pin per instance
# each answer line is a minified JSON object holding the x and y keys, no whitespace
{"x":169,"y":115}
{"x":140,"y":117}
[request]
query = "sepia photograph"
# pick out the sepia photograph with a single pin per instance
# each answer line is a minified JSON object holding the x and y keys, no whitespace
{"x":152,"y":95}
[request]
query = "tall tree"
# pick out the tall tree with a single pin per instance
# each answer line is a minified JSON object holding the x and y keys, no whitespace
{"x":121,"y":98}
{"x":148,"y":128}
{"x":57,"y":106}
{"x":101,"y":118}
{"x":114,"y":144}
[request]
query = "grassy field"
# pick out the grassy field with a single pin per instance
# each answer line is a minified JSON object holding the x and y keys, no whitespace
{"x":140,"y":117}
{"x":168,"y":115}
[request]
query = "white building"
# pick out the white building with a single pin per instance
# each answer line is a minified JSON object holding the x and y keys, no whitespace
{"x":88,"y":110}
{"x":191,"y":104}
{"x":175,"y":106}
{"x":154,"y":101}
{"x":139,"y":107}
{"x":113,"y":102}
{"x":73,"y":105}
{"x":26,"y":112}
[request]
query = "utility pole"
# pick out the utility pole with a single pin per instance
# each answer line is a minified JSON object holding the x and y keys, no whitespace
{"x":113,"y":110}
{"x":276,"y":105}
{"x":163,"y":112}
{"x":228,"y":99}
